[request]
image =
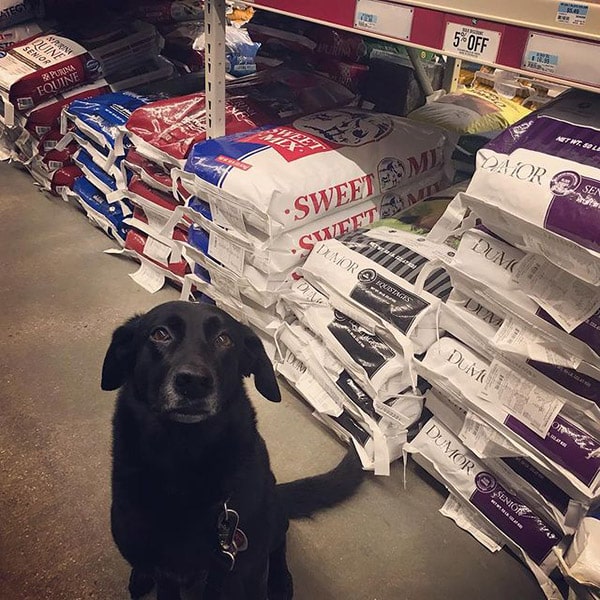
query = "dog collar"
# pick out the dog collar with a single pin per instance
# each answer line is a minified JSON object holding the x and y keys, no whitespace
{"x":231,"y":538}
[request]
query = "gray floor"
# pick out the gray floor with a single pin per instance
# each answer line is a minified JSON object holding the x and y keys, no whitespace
{"x":60,"y":299}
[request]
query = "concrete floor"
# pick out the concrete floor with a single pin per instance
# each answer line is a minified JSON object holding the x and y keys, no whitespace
{"x":60,"y":299}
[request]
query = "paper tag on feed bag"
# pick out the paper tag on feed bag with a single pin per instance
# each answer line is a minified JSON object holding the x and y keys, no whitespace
{"x":532,"y":405}
{"x":569,"y":300}
{"x":157,"y":250}
{"x":149,"y":278}
{"x":469,"y":520}
{"x":515,"y":336}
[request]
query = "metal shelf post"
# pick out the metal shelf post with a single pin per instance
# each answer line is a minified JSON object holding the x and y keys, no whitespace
{"x":215,"y":22}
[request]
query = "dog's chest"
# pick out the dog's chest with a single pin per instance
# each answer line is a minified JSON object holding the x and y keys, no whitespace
{"x":188,"y":491}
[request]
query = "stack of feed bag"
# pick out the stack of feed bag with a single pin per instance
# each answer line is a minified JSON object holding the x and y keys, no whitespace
{"x":19,"y":20}
{"x":42,"y":74}
{"x":163,"y":134}
{"x":372,"y":299}
{"x":125,"y":194}
{"x":515,"y":397}
{"x":278,"y":193}
{"x":365,"y":304}
{"x":95,"y":127}
{"x":148,"y":191}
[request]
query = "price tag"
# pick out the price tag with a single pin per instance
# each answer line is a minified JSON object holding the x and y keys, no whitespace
{"x":475,"y":434}
{"x":570,"y":13}
{"x":227,"y":253}
{"x":224,"y":283}
{"x":469,"y":519}
{"x":385,"y":18}
{"x":543,"y":62}
{"x":484,"y":440}
{"x":319,"y":398}
{"x":156,"y":219}
{"x":472,"y":42}
{"x":575,"y":60}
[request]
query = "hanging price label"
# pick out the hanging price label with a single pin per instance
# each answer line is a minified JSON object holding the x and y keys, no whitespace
{"x":532,"y":405}
{"x":472,"y":42}
{"x":226,"y":215}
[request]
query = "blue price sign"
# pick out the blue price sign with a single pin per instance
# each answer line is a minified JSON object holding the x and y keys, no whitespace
{"x":366,"y":20}
{"x":541,"y":61}
{"x":570,"y":13}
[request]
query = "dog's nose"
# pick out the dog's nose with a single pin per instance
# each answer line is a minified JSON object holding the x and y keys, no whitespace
{"x":192,"y":383}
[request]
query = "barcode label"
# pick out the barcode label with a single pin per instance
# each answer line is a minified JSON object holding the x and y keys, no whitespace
{"x":542,"y":62}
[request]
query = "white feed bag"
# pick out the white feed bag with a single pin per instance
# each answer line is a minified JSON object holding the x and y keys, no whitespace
{"x":281,"y":178}
{"x":564,"y":443}
{"x":374,"y":363}
{"x":541,"y":177}
{"x":533,"y":538}
{"x":381,"y":283}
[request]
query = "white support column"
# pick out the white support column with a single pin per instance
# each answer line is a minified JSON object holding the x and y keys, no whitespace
{"x":214,"y":19}
{"x":452,"y":74}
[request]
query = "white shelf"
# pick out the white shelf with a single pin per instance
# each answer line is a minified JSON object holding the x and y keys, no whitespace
{"x":522,"y":36}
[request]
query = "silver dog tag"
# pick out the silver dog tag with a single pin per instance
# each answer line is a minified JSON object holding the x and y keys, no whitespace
{"x":231,"y":539}
{"x":227,"y":526}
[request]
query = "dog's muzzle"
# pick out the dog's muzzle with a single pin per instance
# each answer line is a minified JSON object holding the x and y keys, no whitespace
{"x":190,"y":395}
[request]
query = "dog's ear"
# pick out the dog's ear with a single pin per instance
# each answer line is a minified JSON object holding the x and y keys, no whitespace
{"x":256,"y":362}
{"x":120,"y":356}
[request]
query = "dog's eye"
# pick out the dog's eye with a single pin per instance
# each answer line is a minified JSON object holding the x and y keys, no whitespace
{"x":223,"y":340}
{"x":160,"y":334}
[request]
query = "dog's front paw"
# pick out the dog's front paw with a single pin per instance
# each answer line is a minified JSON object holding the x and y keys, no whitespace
{"x":282,"y":588}
{"x":140,"y":583}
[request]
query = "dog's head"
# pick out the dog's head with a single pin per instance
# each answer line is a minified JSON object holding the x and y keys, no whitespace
{"x":186,"y":361}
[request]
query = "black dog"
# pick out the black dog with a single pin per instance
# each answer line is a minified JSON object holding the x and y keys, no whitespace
{"x":188,"y":459}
